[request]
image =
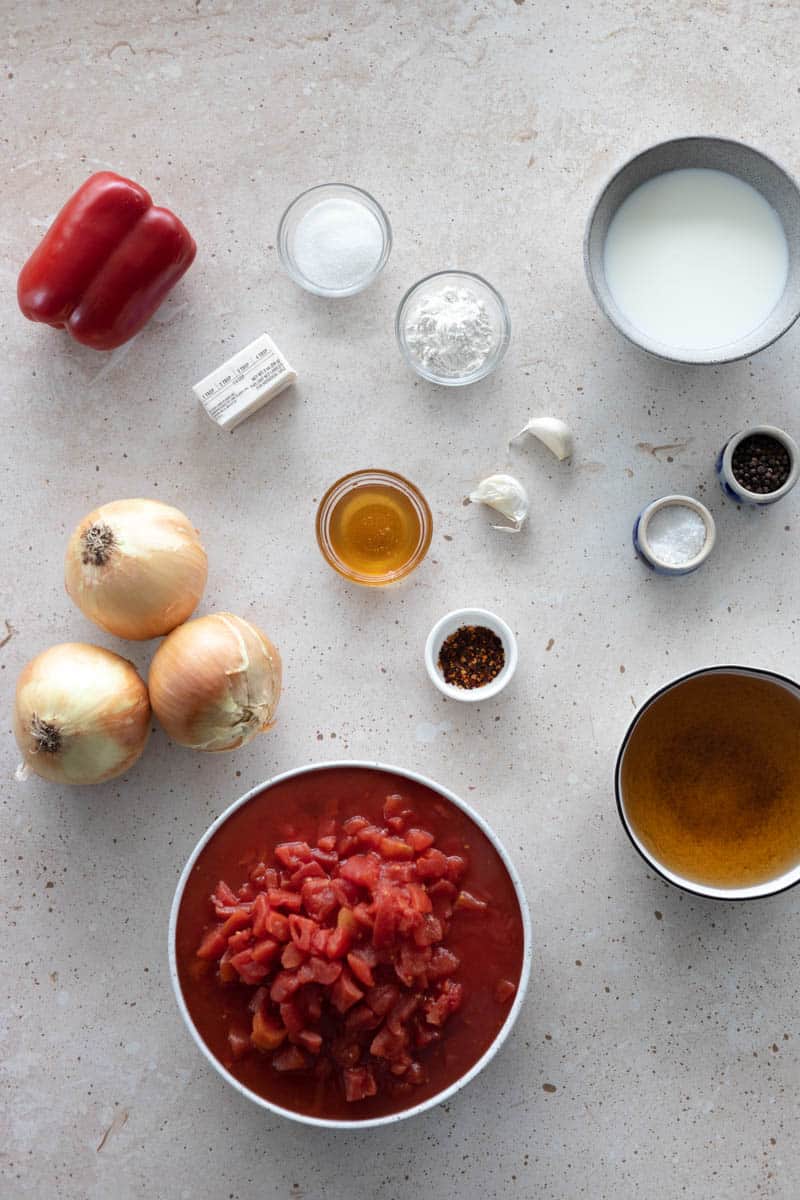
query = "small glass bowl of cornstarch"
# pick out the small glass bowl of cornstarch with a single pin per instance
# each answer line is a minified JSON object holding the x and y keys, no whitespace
{"x":453,"y":328}
{"x":334,"y":239}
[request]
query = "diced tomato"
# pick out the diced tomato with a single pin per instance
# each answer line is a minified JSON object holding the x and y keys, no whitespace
{"x":395,"y":848}
{"x":382,"y":998}
{"x":448,"y":1000}
{"x":396,"y":808}
{"x":237,"y":920}
{"x":311,"y":870}
{"x":363,"y":869}
{"x":227,"y":973}
{"x":292,"y":854}
{"x":405,"y":1007}
{"x":277,"y":926}
{"x":387,"y":912}
{"x":360,"y":968}
{"x":339,"y":940}
{"x":362,"y":1018}
{"x":443,"y":962}
{"x":359,"y":1082}
{"x":284,"y":985}
{"x":419,"y":839}
{"x":388,"y":1045}
{"x":327,"y":843}
{"x":420,"y":898}
{"x":310,"y":1040}
{"x":352,"y":825}
{"x":292,"y":957}
{"x":292,"y":1017}
{"x":363,"y":914}
{"x":292,"y":1058}
{"x":371,"y":836}
{"x":345,"y":845}
{"x":399,"y":872}
{"x":270,"y":877}
{"x":432,"y":864}
{"x":345,"y":891}
{"x":345,"y":992}
{"x":238,"y":941}
{"x":281,"y":898}
{"x":266,"y":951}
{"x":319,"y":898}
{"x":266,"y":1033}
{"x":415,"y":1074}
{"x":260,"y":914}
{"x":504,"y":989}
{"x":239,"y":1041}
{"x":428,"y":932}
{"x":470,"y":903}
{"x":425,"y":1034}
{"x":327,"y":860}
{"x":213,"y":943}
{"x":247,"y":893}
{"x":456,"y":866}
{"x":301,"y":930}
{"x":310,"y":1001}
{"x":324,"y":972}
{"x":223,"y":895}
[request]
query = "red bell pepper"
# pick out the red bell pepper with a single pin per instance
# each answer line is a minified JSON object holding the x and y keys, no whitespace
{"x":106,"y":263}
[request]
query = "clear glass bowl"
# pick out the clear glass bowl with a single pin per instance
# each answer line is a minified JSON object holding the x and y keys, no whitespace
{"x":297,"y":210}
{"x":347,"y":484}
{"x":498,"y":315}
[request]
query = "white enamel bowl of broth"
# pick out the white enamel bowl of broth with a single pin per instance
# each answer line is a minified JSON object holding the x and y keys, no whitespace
{"x":783,"y":847}
{"x":475,"y":1069}
{"x":692,"y":250}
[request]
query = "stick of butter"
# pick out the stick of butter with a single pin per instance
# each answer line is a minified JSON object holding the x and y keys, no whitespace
{"x":244,"y":383}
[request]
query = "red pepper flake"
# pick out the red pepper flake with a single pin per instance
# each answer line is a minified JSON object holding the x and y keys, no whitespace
{"x":471,"y":657}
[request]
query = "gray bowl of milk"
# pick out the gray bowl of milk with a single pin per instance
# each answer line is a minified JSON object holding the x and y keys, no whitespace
{"x":692,"y":250}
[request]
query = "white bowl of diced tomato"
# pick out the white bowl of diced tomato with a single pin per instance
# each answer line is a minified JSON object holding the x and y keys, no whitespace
{"x":349,"y":944}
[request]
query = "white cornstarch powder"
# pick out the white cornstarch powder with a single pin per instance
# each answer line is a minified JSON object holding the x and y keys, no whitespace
{"x":676,"y":534}
{"x":450,"y":332}
{"x":337,"y":244}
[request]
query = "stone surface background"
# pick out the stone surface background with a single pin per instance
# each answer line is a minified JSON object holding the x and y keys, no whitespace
{"x":657,"y":1054}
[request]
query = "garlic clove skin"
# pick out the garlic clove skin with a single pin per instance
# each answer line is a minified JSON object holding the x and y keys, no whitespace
{"x":215,"y":683}
{"x":505,"y":495}
{"x":553,"y":433}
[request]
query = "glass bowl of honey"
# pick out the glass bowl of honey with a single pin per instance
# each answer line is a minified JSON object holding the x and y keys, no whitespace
{"x":374,"y":527}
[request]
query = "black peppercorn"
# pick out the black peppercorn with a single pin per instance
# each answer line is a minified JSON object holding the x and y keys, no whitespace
{"x":761,"y":464}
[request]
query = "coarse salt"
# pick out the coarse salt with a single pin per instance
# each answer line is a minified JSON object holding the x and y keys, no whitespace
{"x":337,"y":244}
{"x":676,"y":534}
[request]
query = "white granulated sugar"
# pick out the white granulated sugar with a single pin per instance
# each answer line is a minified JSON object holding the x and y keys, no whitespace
{"x":676,"y":534}
{"x":450,"y":332}
{"x":337,"y":244}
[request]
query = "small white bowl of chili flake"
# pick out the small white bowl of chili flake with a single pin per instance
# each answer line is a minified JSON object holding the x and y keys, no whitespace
{"x":470,"y":654}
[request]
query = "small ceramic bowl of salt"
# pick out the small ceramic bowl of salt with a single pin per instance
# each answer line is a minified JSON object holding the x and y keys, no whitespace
{"x":334,"y":239}
{"x":674,"y":535}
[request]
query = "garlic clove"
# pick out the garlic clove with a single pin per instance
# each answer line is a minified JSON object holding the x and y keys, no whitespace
{"x":505,"y":495}
{"x":551,"y":432}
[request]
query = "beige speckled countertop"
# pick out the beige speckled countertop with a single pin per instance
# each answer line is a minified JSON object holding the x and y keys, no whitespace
{"x":657,"y":1055}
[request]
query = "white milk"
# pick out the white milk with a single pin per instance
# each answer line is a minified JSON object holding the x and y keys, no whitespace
{"x":696,"y":258}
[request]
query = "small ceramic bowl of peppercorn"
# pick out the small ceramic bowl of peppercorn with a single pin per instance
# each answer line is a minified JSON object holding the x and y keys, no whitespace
{"x":758,"y":465}
{"x":470,"y":654}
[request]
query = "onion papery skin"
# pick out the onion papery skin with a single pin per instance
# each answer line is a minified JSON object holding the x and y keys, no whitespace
{"x":215,"y":682}
{"x":96,"y":704}
{"x":154,"y":574}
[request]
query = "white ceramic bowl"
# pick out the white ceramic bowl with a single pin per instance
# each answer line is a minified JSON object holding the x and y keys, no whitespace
{"x":769,"y":887}
{"x":642,"y":543}
{"x":449,"y":624}
{"x":486,"y":1057}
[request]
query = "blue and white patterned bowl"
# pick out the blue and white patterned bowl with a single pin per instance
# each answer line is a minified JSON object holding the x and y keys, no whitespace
{"x":644,"y":549}
{"x":728,"y":482}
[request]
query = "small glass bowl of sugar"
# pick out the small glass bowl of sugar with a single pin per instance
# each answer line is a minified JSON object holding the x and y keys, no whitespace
{"x":674,"y":535}
{"x":334,"y":239}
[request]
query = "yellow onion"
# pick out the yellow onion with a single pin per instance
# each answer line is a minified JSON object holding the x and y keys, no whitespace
{"x":81,"y":715}
{"x":215,"y":682}
{"x":136,"y":568}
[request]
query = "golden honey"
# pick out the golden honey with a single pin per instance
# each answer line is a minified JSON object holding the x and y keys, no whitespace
{"x":373,"y":527}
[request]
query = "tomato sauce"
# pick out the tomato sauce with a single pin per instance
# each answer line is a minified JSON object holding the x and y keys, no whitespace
{"x":488,"y":942}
